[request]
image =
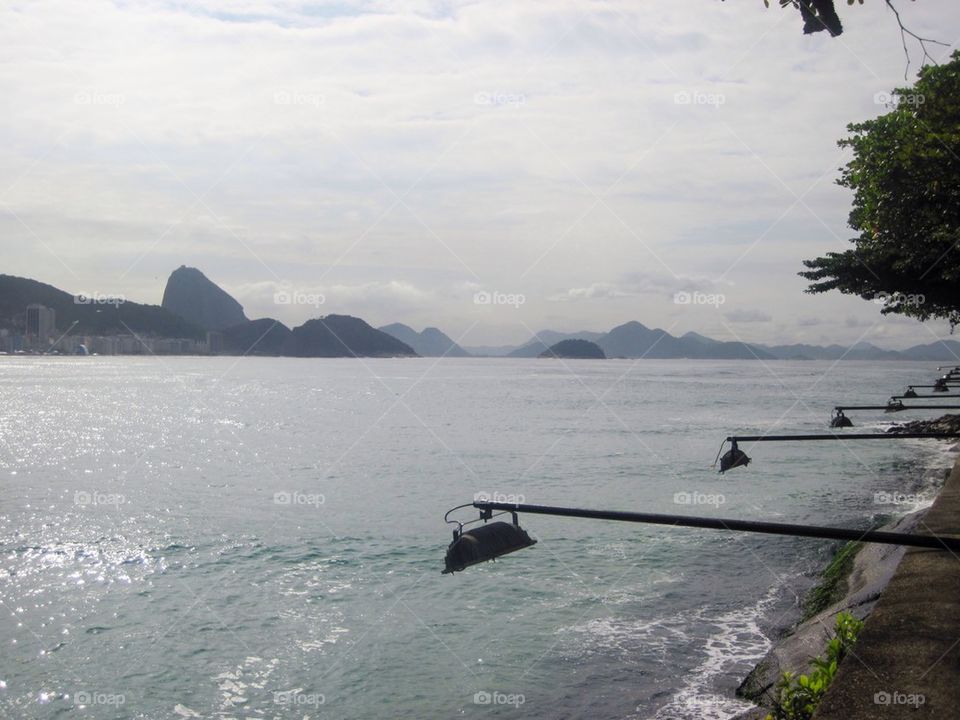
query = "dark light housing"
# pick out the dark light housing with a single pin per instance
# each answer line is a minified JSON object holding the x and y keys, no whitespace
{"x":483,"y":543}
{"x":734,"y":457}
{"x":486,"y":542}
{"x":840,"y":420}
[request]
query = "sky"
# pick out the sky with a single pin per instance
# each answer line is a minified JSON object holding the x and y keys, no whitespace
{"x":489,"y":168}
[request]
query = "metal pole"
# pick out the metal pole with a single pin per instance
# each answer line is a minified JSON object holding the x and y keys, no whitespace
{"x":923,"y":397}
{"x":828,"y":533}
{"x":864,"y":407}
{"x":897,"y":407}
{"x":841,"y":436}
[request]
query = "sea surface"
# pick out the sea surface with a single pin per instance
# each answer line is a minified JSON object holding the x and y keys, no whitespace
{"x":263,"y":537}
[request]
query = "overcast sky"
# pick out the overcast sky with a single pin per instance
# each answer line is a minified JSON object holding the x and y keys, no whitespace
{"x":581,"y":162}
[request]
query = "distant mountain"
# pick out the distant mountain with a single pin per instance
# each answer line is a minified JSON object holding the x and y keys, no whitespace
{"x":489,"y":350}
{"x":801,"y":351}
{"x":574,"y":349}
{"x":94,"y":315}
{"x":265,"y":336}
{"x":546,"y":338}
{"x":635,"y":340}
{"x":345,"y":336}
{"x":192,"y":304}
{"x":192,"y":296}
{"x":697,"y":337}
{"x":946,"y":351}
{"x":859,"y":351}
{"x":431,"y":342}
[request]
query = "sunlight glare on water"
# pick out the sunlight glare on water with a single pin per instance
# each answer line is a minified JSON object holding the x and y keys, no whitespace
{"x":194,"y":537}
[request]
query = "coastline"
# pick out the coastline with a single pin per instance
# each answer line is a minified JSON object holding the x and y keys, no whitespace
{"x":867,"y":576}
{"x":859,"y":587}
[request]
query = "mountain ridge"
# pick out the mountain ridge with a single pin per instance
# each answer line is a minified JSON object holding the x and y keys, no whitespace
{"x":429,"y":342}
{"x":345,"y":336}
{"x":635,"y":340}
{"x":93,"y":314}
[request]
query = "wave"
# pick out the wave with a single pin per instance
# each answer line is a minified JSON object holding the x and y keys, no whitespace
{"x":737,"y":642}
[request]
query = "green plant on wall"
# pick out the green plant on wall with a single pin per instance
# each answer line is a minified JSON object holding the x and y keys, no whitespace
{"x":798,"y":696}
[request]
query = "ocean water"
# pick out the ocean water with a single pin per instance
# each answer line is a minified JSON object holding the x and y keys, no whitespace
{"x":263,"y":538}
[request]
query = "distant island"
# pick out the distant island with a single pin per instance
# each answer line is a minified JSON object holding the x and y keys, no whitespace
{"x":196,"y":316}
{"x":574,"y":350}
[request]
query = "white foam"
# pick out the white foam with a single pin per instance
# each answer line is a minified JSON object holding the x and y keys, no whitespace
{"x":738,"y":641}
{"x":186,"y":712}
{"x":657,"y":637}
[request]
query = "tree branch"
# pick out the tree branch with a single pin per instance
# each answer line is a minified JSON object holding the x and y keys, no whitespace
{"x":922,"y":41}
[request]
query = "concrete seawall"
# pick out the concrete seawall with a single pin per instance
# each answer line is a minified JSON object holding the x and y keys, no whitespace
{"x":906,"y":663}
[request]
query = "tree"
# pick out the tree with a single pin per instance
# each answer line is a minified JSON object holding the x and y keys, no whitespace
{"x":905,"y":174}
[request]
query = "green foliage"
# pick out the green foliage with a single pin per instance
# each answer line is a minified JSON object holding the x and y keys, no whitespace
{"x":798,"y":696}
{"x":833,"y":581}
{"x":905,"y":174}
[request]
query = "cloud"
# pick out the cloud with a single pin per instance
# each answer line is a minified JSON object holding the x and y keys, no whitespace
{"x":595,"y":291}
{"x":388,"y":153}
{"x":747,"y":316}
{"x":294,"y":303}
{"x":636,"y":284}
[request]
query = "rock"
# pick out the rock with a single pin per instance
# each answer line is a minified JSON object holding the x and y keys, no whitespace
{"x":192,"y":296}
{"x":872,"y":569}
{"x":943,"y":424}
